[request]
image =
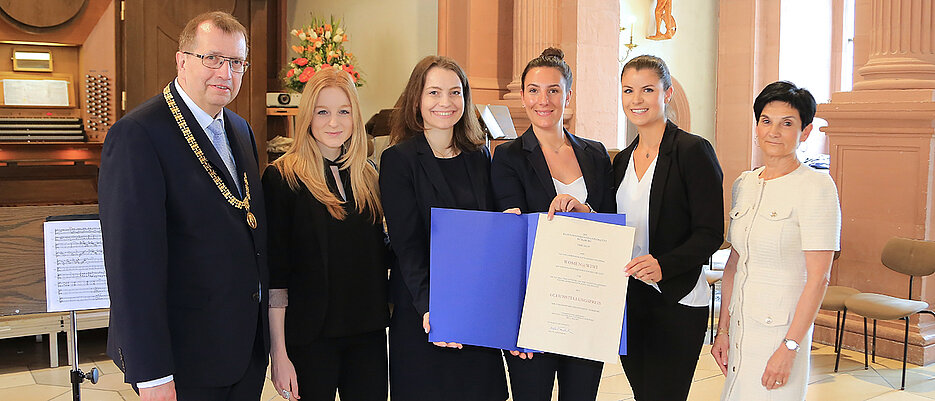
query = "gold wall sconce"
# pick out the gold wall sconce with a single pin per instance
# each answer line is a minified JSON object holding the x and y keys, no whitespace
{"x":630,"y":20}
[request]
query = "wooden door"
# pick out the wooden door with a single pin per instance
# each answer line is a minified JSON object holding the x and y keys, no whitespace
{"x":150,"y":39}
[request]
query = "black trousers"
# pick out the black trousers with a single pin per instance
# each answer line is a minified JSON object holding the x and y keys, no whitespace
{"x":354,"y":366}
{"x":421,"y":371}
{"x":532,"y":379}
{"x":663,"y":345}
{"x":248,"y":388}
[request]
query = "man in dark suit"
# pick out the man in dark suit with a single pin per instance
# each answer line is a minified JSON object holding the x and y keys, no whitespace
{"x":184,"y":229}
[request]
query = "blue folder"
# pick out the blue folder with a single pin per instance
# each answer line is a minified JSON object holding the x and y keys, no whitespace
{"x":479,"y":262}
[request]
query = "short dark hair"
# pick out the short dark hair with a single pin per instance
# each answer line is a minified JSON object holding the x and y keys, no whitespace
{"x":784,"y":91}
{"x":225,"y":22}
{"x":553,"y":58}
{"x":650,"y":62}
{"x":407,"y":118}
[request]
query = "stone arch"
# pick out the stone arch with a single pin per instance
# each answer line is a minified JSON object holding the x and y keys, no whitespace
{"x":678,"y":109}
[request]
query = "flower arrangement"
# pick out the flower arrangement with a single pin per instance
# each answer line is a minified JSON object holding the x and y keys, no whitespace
{"x":321,"y":45}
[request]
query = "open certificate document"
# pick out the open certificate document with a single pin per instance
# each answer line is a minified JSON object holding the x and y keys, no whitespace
{"x":576,"y":288}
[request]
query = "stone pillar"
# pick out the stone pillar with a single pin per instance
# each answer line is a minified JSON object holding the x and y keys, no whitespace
{"x":882,"y":137}
{"x":536,"y":26}
{"x":902,"y":55}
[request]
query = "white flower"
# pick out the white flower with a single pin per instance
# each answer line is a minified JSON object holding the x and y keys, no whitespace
{"x":314,"y":35}
{"x":327,"y":34}
{"x":339,"y":38}
{"x":339,"y":32}
{"x":294,"y":32}
{"x":302,"y":36}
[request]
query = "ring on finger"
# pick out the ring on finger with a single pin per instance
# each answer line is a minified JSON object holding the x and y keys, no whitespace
{"x":286,"y":394}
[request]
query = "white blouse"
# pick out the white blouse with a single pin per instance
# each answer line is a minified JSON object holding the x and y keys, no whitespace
{"x":577,"y":188}
{"x":633,"y":201}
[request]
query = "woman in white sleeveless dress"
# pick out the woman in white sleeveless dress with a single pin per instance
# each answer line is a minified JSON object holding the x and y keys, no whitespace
{"x":785,"y":224}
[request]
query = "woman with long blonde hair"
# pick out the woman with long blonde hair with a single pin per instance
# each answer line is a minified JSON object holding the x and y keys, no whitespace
{"x":327,"y":255}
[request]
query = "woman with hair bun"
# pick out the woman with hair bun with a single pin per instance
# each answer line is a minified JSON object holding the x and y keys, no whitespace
{"x":550,"y":170}
{"x":438,"y":160}
{"x":668,"y":183}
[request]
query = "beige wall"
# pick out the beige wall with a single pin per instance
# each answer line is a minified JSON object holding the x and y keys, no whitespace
{"x":387,"y":37}
{"x":691,"y":55}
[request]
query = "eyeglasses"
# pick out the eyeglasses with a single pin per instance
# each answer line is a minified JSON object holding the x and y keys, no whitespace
{"x":214,"y":61}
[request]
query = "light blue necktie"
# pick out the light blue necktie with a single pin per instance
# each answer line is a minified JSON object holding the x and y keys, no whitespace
{"x":219,"y":140}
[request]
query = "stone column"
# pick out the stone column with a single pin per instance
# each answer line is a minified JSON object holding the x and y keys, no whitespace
{"x":882,"y":144}
{"x":902,"y":55}
{"x":536,"y":26}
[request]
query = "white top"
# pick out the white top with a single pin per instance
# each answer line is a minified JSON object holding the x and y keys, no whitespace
{"x":576,"y":189}
{"x":633,"y":200}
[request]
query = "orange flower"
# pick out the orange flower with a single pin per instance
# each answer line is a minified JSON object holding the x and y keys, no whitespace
{"x":301,"y":61}
{"x":290,"y":73}
{"x":327,"y":27}
{"x":349,"y":54}
{"x":297,"y":49}
{"x":345,"y":38}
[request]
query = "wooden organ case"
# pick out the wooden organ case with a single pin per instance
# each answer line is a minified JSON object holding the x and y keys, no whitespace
{"x":68,"y":70}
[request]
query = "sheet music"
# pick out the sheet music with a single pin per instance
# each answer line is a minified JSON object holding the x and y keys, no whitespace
{"x":35,"y":92}
{"x":74,"y":266}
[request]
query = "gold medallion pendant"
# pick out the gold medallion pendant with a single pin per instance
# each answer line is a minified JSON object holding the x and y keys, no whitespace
{"x":199,"y":154}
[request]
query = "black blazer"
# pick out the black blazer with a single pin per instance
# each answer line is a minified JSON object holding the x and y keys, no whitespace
{"x":299,"y":227}
{"x":411,"y":183}
{"x":521,"y":177}
{"x":184,"y":269}
{"x":686,"y":208}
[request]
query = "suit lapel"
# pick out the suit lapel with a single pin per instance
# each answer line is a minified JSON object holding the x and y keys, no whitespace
{"x":620,"y":163}
{"x":661,"y":176}
{"x":430,"y":166}
{"x":537,"y":160}
{"x":241,"y":147}
{"x":477,"y":180}
{"x":201,"y":138}
{"x":586,"y":164}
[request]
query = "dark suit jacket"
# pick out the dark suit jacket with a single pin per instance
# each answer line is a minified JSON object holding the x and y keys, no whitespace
{"x":299,"y":227}
{"x":686,"y":209}
{"x":184,"y":269}
{"x":411,"y":183}
{"x":521,"y":177}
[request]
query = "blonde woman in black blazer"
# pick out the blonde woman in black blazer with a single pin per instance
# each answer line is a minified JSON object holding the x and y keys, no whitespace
{"x":526,"y":174}
{"x":438,"y":160}
{"x":666,"y":299}
{"x":328,"y":308}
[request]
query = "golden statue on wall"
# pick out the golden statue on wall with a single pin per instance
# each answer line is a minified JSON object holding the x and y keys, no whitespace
{"x":664,"y":14}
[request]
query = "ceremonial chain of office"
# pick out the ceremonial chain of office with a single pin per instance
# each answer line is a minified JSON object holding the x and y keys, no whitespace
{"x":240,"y":204}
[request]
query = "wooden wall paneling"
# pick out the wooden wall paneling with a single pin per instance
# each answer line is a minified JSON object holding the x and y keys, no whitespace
{"x":22,"y":262}
{"x":255,"y":81}
{"x":151,"y":31}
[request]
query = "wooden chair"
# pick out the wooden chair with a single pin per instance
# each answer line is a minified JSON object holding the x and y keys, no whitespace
{"x":914,"y":258}
{"x":713,"y":277}
{"x":834,"y":300}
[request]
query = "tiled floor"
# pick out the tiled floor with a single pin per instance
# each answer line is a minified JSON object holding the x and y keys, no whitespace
{"x":25,"y":376}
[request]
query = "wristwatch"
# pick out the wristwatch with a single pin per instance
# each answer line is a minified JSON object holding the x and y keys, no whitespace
{"x":791,"y":345}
